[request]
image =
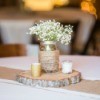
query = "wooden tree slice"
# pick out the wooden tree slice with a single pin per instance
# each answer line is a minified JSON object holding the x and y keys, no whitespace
{"x":57,"y":79}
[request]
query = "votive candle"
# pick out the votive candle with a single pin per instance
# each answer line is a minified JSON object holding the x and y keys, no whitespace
{"x":67,"y":66}
{"x":36,"y":69}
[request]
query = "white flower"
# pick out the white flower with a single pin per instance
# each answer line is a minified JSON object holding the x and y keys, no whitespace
{"x":52,"y":31}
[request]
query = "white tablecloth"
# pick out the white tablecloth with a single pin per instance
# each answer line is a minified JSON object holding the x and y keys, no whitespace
{"x":11,"y":90}
{"x":14,"y":31}
{"x":89,"y":66}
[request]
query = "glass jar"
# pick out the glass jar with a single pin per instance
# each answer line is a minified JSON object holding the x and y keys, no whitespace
{"x":49,"y":56}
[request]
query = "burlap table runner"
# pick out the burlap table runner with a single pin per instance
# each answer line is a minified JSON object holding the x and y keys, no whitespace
{"x":8,"y":73}
{"x":86,"y":86}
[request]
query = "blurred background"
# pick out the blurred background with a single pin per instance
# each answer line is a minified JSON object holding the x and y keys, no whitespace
{"x":16,"y":16}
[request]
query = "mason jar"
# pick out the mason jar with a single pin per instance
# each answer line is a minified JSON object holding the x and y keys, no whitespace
{"x":49,"y":56}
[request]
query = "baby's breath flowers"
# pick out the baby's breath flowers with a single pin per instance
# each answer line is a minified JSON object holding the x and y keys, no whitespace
{"x":51,"y":30}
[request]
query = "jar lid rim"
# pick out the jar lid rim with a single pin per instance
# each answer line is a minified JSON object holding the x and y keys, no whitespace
{"x":48,"y":42}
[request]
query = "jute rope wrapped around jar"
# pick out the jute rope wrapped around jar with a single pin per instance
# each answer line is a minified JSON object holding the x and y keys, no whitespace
{"x":49,"y":60}
{"x":49,"y":56}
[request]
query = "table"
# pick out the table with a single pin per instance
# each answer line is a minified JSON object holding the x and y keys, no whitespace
{"x":87,"y":89}
{"x":14,"y":24}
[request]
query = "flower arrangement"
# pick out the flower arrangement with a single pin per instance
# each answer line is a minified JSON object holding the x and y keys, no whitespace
{"x":51,"y":30}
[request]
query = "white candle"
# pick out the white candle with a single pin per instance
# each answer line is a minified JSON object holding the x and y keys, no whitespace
{"x":67,"y":66}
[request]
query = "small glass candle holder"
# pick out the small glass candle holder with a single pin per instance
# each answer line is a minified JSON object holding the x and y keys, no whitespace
{"x":67,"y":66}
{"x":36,"y":69}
